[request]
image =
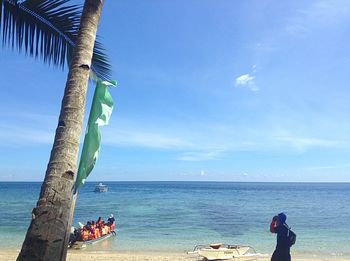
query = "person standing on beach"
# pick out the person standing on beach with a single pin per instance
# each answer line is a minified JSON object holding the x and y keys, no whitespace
{"x":278,"y":225}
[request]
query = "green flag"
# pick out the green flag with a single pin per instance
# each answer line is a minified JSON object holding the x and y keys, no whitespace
{"x":101,"y":110}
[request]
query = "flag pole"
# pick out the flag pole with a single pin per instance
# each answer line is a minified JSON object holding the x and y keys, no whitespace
{"x":100,"y":112}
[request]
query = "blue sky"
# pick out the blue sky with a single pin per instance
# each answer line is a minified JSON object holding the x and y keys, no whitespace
{"x":207,"y":90}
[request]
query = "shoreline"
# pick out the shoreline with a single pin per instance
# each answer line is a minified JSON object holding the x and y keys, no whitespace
{"x":83,"y":255}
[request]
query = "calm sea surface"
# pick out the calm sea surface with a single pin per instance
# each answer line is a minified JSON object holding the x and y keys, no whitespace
{"x":175,"y":216}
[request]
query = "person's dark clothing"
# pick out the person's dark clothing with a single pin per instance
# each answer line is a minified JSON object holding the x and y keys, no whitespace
{"x":76,"y":236}
{"x":282,"y":251}
{"x":111,"y":220}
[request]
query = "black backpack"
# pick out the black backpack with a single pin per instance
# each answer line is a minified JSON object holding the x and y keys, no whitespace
{"x":292,"y":237}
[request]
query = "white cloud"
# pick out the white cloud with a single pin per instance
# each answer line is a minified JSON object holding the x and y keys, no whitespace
{"x":254,"y":68}
{"x":244,"y":79}
{"x":247,"y":80}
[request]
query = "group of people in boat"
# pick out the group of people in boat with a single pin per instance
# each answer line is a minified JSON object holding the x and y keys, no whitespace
{"x":93,"y":229}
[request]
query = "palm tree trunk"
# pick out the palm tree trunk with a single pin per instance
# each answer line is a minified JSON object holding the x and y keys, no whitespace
{"x":46,"y":235}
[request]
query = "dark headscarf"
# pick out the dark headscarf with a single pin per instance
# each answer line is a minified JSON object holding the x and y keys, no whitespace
{"x":282,"y":218}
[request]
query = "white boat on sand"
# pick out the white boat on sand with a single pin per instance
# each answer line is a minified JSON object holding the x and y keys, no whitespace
{"x":220,"y":251}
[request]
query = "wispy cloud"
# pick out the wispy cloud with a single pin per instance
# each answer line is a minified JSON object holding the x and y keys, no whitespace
{"x":247,"y":80}
{"x":186,"y":140}
{"x":318,"y":168}
{"x":146,"y":139}
{"x":319,"y":13}
{"x":16,"y":135}
{"x":194,"y":174}
{"x":304,"y":143}
{"x":27,"y":129}
{"x":200,"y":156}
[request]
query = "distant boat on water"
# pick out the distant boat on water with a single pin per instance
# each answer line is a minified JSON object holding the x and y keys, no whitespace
{"x":101,"y":188}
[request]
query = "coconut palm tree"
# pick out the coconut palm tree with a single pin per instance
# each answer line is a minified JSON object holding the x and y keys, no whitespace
{"x":53,"y":31}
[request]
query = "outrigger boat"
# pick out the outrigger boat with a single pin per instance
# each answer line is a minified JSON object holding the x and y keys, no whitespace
{"x":220,"y":251}
{"x":83,"y":244}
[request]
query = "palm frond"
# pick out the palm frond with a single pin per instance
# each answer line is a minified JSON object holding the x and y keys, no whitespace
{"x":47,"y":29}
{"x":101,"y":65}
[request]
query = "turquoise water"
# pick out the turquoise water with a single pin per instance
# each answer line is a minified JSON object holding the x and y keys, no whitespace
{"x":176,"y":216}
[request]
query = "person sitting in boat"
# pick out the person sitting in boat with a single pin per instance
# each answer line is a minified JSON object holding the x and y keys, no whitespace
{"x":92,"y":230}
{"x":107,"y":228}
{"x":110,"y":227}
{"x":97,"y":232}
{"x":99,"y":221}
{"x":85,"y":234}
{"x":88,"y":229}
{"x":102,"y":228}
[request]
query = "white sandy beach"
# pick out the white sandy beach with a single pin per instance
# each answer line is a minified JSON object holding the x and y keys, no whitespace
{"x":143,"y":256}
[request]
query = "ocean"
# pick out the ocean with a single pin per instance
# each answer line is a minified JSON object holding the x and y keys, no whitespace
{"x":176,"y":216}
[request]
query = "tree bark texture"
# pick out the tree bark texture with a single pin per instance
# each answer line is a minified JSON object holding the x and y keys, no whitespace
{"x":46,"y":235}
